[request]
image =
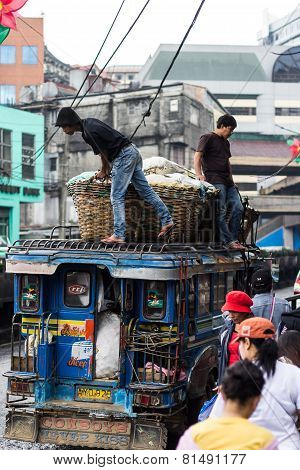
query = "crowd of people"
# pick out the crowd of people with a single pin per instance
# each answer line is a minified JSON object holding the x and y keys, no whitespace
{"x":258,"y":393}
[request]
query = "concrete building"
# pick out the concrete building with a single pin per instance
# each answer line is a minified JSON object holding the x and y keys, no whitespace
{"x":259,"y":88}
{"x":21,"y":60}
{"x":21,"y":176}
{"x":179,"y":115}
{"x":124,"y":75}
{"x":280,"y":31}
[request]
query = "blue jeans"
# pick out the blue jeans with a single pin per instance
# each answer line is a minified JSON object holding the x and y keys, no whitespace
{"x":128,"y":167}
{"x":229,"y":199}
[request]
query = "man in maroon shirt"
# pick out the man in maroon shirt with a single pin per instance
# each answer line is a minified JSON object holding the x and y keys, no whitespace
{"x":212,"y":165}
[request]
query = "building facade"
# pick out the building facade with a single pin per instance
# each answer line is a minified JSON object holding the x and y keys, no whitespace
{"x":21,"y":176}
{"x":280,"y":31}
{"x":260,"y":88}
{"x":21,"y":60}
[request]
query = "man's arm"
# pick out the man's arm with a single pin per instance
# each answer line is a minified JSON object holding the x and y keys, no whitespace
{"x":105,"y":170}
{"x":198,"y":166}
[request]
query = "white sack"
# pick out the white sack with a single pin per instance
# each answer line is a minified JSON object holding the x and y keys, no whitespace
{"x":107,"y":345}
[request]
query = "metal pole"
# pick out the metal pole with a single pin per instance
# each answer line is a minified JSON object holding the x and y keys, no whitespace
{"x":63,"y":193}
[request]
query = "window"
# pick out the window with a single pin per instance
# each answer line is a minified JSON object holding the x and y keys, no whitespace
{"x":28,"y":163}
{"x":287,"y":111}
{"x":173,"y":106}
{"x":119,"y":76}
{"x":4,"y":226}
{"x":192,"y":300}
{"x":77,"y":289}
{"x":219,"y":290}
{"x":7,"y":94}
{"x":178,"y":154}
{"x":53,"y":164}
{"x":129,"y":295}
{"x":29,"y":293}
{"x":130,"y":77}
{"x":241,"y":111}
{"x":7,"y":54}
{"x":154,"y":300}
{"x":5,"y":152}
{"x":194,"y":116}
{"x":204,"y":295}
{"x":30,"y":55}
{"x":287,"y":67}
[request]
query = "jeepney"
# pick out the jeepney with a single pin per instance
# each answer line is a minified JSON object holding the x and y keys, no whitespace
{"x":115,"y":346}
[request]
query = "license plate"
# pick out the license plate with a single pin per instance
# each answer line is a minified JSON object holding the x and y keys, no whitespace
{"x":83,"y":393}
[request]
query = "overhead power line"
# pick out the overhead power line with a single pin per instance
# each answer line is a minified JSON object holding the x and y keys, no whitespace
{"x":115,"y":51}
{"x":148,"y":112}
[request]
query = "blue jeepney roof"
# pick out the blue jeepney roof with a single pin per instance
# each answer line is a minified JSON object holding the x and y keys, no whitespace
{"x":128,"y":260}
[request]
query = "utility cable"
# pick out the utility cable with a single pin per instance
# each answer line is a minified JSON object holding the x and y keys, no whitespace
{"x":261,"y":60}
{"x":98,"y":53}
{"x":39,"y":152}
{"x":148,"y":112}
{"x":115,"y":51}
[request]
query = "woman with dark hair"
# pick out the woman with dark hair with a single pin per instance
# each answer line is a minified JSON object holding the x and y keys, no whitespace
{"x":241,"y":389}
{"x":289,"y":347}
{"x":279,"y":407}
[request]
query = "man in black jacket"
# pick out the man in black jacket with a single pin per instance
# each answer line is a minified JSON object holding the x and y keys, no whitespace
{"x":121,"y":158}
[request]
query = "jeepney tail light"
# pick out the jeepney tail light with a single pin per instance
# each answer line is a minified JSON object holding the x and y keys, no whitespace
{"x":146,"y":400}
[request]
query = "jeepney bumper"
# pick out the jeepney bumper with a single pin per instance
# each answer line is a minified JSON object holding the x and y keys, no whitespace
{"x":83,"y":430}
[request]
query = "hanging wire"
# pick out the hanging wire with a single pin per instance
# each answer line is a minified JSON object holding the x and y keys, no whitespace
{"x":98,"y":53}
{"x":39,"y":152}
{"x":148,"y":112}
{"x":115,"y":51}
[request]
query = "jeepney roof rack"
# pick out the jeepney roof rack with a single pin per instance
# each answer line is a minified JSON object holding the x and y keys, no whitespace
{"x":27,"y":246}
{"x":77,"y":244}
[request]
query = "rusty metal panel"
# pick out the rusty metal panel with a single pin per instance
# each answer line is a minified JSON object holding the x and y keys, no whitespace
{"x":84,"y":432}
{"x":149,"y":435}
{"x":21,"y":426}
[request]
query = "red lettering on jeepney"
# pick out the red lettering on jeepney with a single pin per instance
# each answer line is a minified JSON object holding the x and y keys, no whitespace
{"x":46,"y":421}
{"x":84,"y":424}
{"x":59,"y":423}
{"x":97,"y":426}
{"x":108,"y":425}
{"x":122,"y":427}
{"x":71,"y":423}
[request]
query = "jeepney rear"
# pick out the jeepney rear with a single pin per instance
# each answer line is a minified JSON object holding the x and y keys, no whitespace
{"x":112,"y":344}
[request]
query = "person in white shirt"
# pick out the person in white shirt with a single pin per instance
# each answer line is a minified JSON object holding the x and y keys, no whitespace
{"x":279,"y":406}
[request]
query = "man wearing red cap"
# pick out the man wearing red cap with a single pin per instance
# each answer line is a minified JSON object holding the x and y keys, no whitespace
{"x":238,"y":308}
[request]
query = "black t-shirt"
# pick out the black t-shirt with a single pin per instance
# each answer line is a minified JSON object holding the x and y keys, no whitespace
{"x":102,"y":138}
{"x":215,"y":159}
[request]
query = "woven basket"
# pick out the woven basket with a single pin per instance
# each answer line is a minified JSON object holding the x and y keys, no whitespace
{"x":95,"y":215}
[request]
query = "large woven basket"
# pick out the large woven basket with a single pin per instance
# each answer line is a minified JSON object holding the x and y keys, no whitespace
{"x":95,"y":215}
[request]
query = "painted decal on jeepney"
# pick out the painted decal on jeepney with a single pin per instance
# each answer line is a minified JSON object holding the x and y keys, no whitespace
{"x":77,"y":289}
{"x":82,"y":349}
{"x":74,"y":362}
{"x":73,"y":328}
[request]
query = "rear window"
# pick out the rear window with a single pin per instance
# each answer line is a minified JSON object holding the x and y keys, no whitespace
{"x":29,"y":293}
{"x":77,"y":289}
{"x":154,"y":300}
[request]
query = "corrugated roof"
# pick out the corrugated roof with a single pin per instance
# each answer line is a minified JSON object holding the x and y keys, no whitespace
{"x":197,"y":65}
{"x":259,"y":148}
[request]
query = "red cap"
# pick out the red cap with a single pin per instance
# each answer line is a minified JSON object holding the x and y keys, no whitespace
{"x":237,"y":301}
{"x":255,"y":327}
